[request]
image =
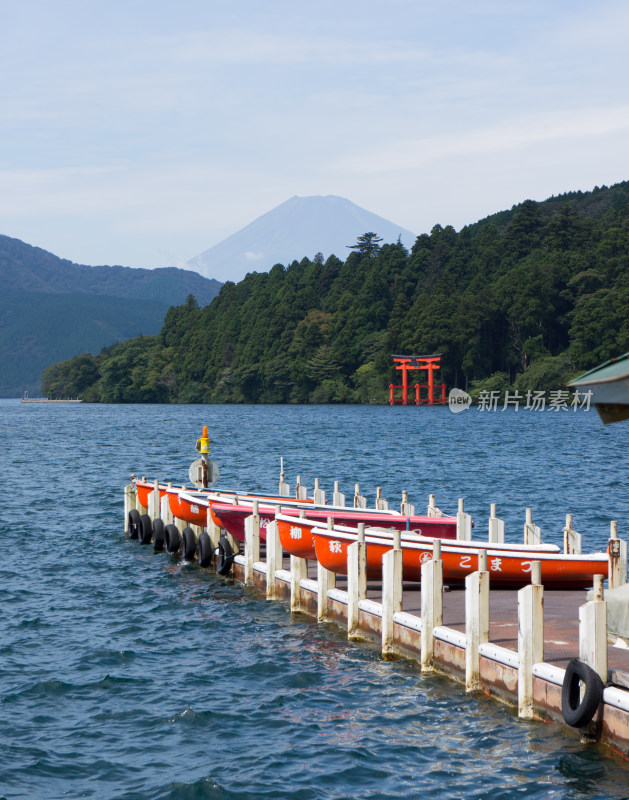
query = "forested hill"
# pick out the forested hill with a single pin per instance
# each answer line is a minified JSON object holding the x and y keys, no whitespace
{"x":51,"y":308}
{"x":528,"y":296}
{"x":27,"y":268}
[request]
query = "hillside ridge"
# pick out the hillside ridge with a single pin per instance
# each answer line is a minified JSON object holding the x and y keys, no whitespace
{"x":523,"y":299}
{"x":51,"y":308}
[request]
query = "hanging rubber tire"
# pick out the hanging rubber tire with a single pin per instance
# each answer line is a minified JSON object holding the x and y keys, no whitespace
{"x":172,"y":539}
{"x":145,"y":532}
{"x":204,"y":550}
{"x":578,"y":711}
{"x":189,"y":545}
{"x":134,"y":523}
{"x":158,"y":535}
{"x":224,"y":556}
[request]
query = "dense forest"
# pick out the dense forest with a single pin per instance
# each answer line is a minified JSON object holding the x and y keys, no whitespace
{"x":527,"y":297}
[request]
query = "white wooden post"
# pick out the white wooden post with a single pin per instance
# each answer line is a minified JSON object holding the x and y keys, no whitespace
{"x":571,"y":539}
{"x":431,"y":604}
{"x":463,"y":523}
{"x":153,"y":501}
{"x":530,"y":638}
{"x":532,"y":533}
{"x":164,"y":510}
{"x":129,"y":503}
{"x":151,"y":504}
{"x":214,"y":531}
{"x":381,"y":503}
{"x":391,"y":591}
{"x":338,"y":499}
{"x":301,"y":492}
{"x":181,"y":524}
{"x":406,"y":508}
{"x":141,"y":509}
{"x":359,"y":500}
{"x":233,"y":543}
{"x":593,"y":631}
{"x":356,"y":580}
{"x":496,"y":527}
{"x":319,"y":494}
{"x":430,"y":511}
{"x":298,"y":572}
{"x":283,"y":488}
{"x":273,"y":559}
{"x":325,"y":580}
{"x":617,"y":550}
{"x":252,"y":542}
{"x":476,"y":620}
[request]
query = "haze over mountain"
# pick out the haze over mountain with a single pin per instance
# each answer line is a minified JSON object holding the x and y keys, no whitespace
{"x":51,"y":308}
{"x":301,"y":226}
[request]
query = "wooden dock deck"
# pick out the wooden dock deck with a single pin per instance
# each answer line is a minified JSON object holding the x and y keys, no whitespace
{"x":561,"y":619}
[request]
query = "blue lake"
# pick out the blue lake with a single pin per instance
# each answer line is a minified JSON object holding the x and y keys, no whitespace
{"x":126,"y":674}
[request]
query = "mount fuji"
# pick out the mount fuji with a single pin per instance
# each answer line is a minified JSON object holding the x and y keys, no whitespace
{"x":298,"y":228}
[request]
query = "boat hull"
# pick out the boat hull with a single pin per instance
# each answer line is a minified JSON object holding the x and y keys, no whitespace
{"x":232,"y":518}
{"x":506,"y":568}
{"x":297,"y":539}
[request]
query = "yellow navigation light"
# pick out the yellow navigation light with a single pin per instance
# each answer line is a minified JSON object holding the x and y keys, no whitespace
{"x":203,"y":444}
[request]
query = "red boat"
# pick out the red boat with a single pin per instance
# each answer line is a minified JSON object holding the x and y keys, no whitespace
{"x":296,"y":533}
{"x":232,"y":518}
{"x":509,"y":565}
{"x":193,"y":508}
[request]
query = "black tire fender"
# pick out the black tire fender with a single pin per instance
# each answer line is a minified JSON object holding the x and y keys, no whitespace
{"x":145,"y":531}
{"x":189,"y":545}
{"x":578,"y":711}
{"x":224,"y":556}
{"x":172,"y":539}
{"x":134,"y":523}
{"x":204,"y":550}
{"x":158,"y":534}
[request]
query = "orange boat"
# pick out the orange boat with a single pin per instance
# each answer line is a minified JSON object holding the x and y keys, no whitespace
{"x":144,"y":488}
{"x":509,"y":565}
{"x":296,"y":533}
{"x":192,"y":505}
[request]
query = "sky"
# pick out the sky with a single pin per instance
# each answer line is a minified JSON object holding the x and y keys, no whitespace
{"x":142,"y":132}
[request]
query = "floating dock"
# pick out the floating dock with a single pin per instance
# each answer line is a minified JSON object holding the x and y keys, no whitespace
{"x":521,"y":647}
{"x":27,"y":399}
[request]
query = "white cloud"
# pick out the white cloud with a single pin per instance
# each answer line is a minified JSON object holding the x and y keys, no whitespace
{"x":515,"y":135}
{"x":187,"y":123}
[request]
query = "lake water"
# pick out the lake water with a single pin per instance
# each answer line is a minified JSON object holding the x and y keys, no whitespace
{"x":126,"y":674}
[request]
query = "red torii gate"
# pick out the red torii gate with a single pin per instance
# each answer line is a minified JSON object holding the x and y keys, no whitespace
{"x":429,"y":363}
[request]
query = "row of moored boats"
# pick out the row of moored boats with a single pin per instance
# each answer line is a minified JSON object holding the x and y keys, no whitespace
{"x":324,"y":532}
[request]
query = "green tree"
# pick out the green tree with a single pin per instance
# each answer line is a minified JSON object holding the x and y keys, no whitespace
{"x":367,"y":245}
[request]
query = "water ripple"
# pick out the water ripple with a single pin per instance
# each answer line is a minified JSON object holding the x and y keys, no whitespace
{"x":126,"y":674}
